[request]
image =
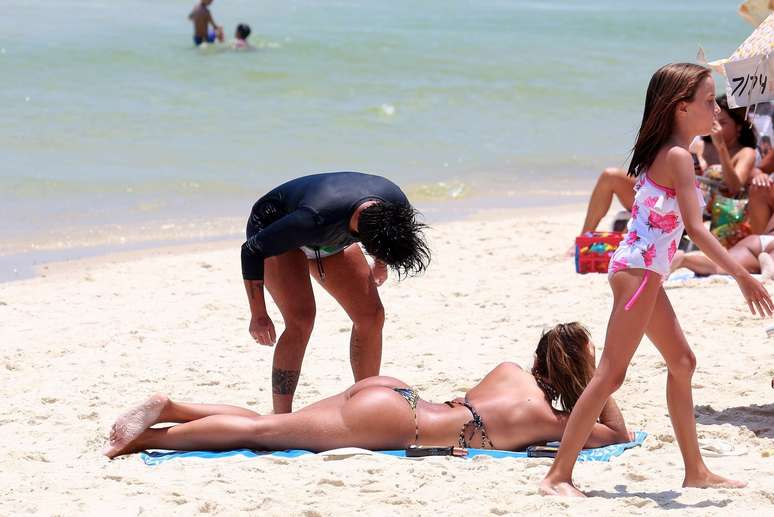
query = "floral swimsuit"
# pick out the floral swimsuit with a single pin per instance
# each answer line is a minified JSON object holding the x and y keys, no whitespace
{"x":653,"y":232}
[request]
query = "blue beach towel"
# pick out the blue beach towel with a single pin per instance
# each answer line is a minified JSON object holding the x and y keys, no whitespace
{"x":600,"y":454}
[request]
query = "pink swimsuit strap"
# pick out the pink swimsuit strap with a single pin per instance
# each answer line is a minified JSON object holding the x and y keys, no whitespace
{"x":638,"y":292}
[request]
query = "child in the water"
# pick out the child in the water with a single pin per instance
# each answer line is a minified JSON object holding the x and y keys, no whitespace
{"x":240,"y":38}
{"x":202,"y":20}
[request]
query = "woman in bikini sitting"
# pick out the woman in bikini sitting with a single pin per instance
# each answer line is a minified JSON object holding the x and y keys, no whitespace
{"x":509,"y":409}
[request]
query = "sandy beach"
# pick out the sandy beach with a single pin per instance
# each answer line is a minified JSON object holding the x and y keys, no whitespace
{"x":88,"y":339}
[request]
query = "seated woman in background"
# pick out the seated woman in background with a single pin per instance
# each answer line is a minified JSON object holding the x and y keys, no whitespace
{"x":509,"y":409}
{"x":728,"y":153}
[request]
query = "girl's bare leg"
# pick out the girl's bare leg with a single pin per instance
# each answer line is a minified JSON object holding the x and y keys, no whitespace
{"x":624,"y":333}
{"x":664,"y":331}
{"x":374,"y":417}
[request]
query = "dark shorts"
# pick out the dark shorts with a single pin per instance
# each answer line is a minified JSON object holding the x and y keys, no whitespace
{"x":211,"y":37}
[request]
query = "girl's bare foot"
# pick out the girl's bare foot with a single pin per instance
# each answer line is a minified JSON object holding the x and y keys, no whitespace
{"x":767,"y":266}
{"x":562,"y":488}
{"x":131,"y":424}
{"x":710,"y":480}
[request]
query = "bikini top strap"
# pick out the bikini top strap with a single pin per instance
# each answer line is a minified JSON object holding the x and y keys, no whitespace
{"x":476,"y":421}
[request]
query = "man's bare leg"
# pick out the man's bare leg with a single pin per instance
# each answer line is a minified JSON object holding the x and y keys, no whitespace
{"x":348,"y":279}
{"x":287,"y":280}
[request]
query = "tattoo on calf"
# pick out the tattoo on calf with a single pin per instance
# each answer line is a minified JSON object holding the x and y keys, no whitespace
{"x":283,"y":382}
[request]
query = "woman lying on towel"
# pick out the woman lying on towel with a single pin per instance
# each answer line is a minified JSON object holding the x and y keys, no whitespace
{"x":509,"y":409}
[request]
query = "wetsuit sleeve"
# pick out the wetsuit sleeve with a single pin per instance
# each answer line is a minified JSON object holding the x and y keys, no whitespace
{"x":290,"y":232}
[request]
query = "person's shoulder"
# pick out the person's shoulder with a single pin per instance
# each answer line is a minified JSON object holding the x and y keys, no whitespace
{"x":508,"y":366}
{"x":506,"y":371}
{"x":677,"y":153}
{"x":679,"y":159}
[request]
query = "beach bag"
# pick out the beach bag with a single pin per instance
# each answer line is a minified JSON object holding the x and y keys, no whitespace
{"x":728,"y":223}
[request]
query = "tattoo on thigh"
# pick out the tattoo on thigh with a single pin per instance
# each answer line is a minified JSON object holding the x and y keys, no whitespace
{"x":283,"y":382}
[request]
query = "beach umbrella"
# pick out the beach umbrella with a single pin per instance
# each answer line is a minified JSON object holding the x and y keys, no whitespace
{"x":749,"y":71}
{"x":755,"y":11}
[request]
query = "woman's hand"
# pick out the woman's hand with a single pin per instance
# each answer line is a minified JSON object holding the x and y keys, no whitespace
{"x":755,"y":294}
{"x":379,"y":271}
{"x":717,"y":135}
{"x":761,"y":181}
{"x":262,"y":330}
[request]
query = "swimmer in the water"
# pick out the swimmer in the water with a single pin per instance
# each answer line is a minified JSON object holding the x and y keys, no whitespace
{"x":240,"y":38}
{"x":202,"y":20}
{"x":311,"y":226}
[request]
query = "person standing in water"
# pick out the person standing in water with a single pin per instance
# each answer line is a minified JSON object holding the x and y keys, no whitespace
{"x":202,"y":21}
{"x":679,"y":105}
{"x":310,"y":225}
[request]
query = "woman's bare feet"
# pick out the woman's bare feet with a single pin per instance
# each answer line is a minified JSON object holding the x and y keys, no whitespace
{"x":710,"y":480}
{"x":131,"y":424}
{"x":562,"y":488}
{"x":767,"y":266}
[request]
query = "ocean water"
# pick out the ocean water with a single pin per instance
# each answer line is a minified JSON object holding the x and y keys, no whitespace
{"x":114,"y":128}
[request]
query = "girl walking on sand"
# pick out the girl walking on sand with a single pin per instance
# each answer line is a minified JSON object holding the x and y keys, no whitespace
{"x":679,"y":105}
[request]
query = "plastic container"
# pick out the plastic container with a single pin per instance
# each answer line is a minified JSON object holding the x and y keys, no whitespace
{"x":594,"y":249}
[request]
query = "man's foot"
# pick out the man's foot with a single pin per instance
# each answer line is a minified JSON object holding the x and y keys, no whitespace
{"x":767,"y":266}
{"x":563,"y":488}
{"x":710,"y":480}
{"x":131,"y":424}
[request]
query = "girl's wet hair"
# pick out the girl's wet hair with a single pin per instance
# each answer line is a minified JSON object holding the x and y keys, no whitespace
{"x":671,"y":84}
{"x":391,"y":233}
{"x":563,"y":364}
{"x":748,"y":136}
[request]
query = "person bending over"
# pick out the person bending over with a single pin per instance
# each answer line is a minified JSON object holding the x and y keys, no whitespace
{"x":309,"y":225}
{"x":509,"y":410}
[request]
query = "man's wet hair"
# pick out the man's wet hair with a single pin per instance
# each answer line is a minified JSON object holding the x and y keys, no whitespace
{"x":391,"y":233}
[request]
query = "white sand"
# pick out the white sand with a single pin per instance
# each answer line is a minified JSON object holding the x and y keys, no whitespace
{"x":82,"y":344}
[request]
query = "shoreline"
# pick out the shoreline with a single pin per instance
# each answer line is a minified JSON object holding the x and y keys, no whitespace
{"x":165,"y":236}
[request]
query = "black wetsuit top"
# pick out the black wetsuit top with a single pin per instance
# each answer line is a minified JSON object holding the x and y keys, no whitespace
{"x":312,"y":211}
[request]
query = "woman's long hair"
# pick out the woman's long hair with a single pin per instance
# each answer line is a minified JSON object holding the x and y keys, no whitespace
{"x":563,"y":364}
{"x":671,"y":84}
{"x":748,"y":136}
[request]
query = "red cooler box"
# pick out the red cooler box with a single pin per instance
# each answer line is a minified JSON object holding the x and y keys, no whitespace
{"x":594,"y":249}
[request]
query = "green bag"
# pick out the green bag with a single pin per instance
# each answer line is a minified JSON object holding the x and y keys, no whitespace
{"x":728,"y":222}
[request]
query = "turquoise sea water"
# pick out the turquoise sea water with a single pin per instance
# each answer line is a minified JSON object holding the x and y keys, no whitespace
{"x":110,"y":117}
